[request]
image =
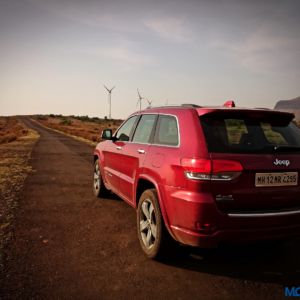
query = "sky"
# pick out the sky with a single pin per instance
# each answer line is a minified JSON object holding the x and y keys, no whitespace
{"x":56,"y":55}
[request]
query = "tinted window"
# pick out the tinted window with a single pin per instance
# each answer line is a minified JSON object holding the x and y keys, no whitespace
{"x":144,"y":129}
{"x":235,"y":130}
{"x":250,"y":135}
{"x":273,"y":135}
{"x":125,"y":130}
{"x":167,"y":131}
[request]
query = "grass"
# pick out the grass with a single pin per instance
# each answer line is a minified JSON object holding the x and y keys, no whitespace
{"x":14,"y":168}
{"x":11,"y":129}
{"x":82,"y":127}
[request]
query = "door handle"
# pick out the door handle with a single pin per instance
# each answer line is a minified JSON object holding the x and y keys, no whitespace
{"x":119,"y":148}
{"x":141,"y":151}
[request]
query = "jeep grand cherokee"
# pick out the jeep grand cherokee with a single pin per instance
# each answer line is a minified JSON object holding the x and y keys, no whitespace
{"x":204,"y":175}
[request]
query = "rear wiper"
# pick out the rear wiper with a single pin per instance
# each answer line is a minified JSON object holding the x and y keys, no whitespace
{"x":285,"y":148}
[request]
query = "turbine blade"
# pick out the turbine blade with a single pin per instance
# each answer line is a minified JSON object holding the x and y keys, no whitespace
{"x":140,"y":97}
{"x":106,"y":87}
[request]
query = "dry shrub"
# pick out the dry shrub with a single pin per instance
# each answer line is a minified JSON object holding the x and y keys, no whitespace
{"x":80,"y":126}
{"x":94,"y":138}
{"x":66,"y":121}
{"x":7,"y":138}
{"x":42,"y":118}
{"x":11,"y":129}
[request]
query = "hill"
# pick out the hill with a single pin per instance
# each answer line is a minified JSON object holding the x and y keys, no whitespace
{"x":288,"y":104}
{"x":292,"y":105}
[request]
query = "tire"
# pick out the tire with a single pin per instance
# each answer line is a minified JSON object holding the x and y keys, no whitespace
{"x":99,"y":188}
{"x":150,"y":227}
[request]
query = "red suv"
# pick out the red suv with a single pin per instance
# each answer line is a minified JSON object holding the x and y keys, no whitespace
{"x":204,"y":175}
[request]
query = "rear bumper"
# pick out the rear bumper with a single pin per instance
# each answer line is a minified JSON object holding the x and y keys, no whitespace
{"x":195,"y":220}
{"x":193,"y":238}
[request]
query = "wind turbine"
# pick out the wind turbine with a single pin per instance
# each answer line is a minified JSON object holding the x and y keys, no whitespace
{"x":109,"y":99}
{"x":140,"y":99}
{"x":149,"y":102}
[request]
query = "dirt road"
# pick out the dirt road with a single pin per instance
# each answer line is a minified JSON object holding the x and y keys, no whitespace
{"x":68,"y":244}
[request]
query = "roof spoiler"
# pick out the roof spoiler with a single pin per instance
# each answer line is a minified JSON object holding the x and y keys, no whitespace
{"x":229,"y":103}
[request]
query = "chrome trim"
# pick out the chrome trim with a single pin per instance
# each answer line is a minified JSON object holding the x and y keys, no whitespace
{"x":255,"y":215}
{"x":160,"y":145}
{"x":234,"y":175}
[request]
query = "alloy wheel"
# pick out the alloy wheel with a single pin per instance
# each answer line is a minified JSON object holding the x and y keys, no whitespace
{"x":148,"y":227}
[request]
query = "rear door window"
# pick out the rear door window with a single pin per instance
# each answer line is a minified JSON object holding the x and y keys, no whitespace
{"x":167,"y":131}
{"x":144,"y":129}
{"x":246,"y":134}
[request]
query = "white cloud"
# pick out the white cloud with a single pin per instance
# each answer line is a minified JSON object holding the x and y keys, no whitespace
{"x":263,"y":51}
{"x":170,"y":28}
{"x":123,"y":57}
{"x":93,"y":14}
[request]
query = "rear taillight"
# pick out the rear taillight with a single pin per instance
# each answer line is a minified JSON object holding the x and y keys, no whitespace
{"x":207,"y":169}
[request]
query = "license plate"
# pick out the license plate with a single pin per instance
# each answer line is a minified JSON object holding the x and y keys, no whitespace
{"x":276,"y":179}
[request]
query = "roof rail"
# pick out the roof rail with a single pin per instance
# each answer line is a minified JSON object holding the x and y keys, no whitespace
{"x":187,"y":105}
{"x":190,"y":105}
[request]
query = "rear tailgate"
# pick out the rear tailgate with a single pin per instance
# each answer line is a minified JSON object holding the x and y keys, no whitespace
{"x":267,"y":145}
{"x":263,"y":186}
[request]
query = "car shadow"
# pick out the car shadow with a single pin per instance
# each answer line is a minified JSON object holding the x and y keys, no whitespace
{"x":111,"y":196}
{"x":262,"y":262}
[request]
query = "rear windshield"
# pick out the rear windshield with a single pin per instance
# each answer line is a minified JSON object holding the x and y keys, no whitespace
{"x":244,"y":134}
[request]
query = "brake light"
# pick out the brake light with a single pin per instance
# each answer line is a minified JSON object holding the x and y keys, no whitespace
{"x":220,"y":165}
{"x":196,"y":168}
{"x":229,"y":103}
{"x":207,"y":169}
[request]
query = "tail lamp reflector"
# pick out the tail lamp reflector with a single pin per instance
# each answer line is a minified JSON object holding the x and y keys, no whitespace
{"x":207,"y":169}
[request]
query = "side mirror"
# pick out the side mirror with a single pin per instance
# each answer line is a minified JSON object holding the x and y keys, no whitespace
{"x":107,"y":134}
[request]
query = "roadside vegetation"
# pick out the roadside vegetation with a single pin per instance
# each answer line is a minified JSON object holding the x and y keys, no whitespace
{"x":16,"y":143}
{"x":83,"y":127}
{"x":11,"y":129}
